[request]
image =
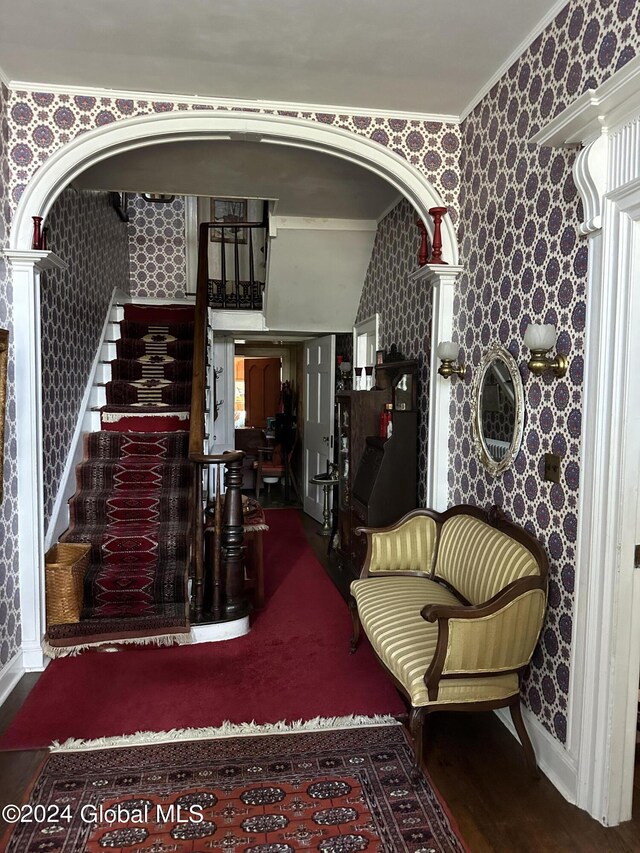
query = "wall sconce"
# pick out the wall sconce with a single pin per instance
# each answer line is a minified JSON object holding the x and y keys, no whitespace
{"x":540,"y":338}
{"x":447,"y":353}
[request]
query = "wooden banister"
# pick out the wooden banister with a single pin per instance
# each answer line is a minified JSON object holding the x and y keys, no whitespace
{"x":232,"y":530}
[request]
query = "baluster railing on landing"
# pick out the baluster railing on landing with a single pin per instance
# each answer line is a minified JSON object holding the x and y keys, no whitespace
{"x":217,"y":565}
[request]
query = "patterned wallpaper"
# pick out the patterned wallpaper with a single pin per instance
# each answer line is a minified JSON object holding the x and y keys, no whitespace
{"x":519,"y":214}
{"x":86,"y":232}
{"x":157,"y":248}
{"x":10,"y":637}
{"x":405,"y":311}
{"x":42,"y":121}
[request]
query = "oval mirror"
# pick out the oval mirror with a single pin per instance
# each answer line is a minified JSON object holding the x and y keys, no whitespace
{"x":498,"y":409}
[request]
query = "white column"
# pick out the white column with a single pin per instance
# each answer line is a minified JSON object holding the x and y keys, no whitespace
{"x":442,"y":279}
{"x":605,"y":651}
{"x":26,"y":267}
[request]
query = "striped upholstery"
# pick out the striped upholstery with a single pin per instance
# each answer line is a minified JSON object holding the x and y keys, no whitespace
{"x":409,"y":547}
{"x":504,"y":640}
{"x":479,"y":561}
{"x":389,"y":610}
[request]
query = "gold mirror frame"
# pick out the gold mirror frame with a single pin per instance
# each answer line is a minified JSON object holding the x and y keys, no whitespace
{"x":493,"y":466}
{"x":4,"y":357}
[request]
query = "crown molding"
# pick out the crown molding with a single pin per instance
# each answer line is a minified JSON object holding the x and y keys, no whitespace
{"x":4,"y":78}
{"x":229,"y":103}
{"x":540,"y":27}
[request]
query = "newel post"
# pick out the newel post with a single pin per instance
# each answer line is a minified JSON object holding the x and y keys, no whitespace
{"x":232,"y":542}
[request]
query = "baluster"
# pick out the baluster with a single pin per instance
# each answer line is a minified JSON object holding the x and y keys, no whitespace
{"x":232,"y":540}
{"x":198,"y":579}
{"x":223,"y":266}
{"x":217,"y":544}
{"x":236,"y":259}
{"x":251,"y":270}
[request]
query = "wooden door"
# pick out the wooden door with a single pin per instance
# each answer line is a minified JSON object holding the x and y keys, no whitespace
{"x":261,"y":390}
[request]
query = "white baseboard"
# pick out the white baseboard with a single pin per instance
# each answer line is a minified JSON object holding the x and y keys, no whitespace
{"x":60,"y":514}
{"x":33,"y":659}
{"x":220,"y":631}
{"x":10,"y":675}
{"x":162,"y":300}
{"x":553,"y":759}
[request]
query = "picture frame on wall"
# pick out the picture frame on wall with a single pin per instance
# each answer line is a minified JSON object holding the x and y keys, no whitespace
{"x":4,"y":358}
{"x":228,"y":211}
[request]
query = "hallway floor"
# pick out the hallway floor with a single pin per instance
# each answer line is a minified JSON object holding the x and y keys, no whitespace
{"x":473,"y":760}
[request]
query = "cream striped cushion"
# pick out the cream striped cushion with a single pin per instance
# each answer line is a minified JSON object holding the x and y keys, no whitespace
{"x":408,"y":548}
{"x":389,"y":610}
{"x":479,"y":561}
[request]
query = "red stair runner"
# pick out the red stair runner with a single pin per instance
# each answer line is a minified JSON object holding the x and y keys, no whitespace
{"x":132,"y":499}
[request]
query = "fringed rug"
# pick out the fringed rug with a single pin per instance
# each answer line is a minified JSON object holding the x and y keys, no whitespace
{"x":294,"y":664}
{"x":332,"y":791}
{"x":132,"y":499}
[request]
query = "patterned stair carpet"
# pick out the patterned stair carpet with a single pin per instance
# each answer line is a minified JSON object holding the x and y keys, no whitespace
{"x":336,"y":791}
{"x":132,"y":499}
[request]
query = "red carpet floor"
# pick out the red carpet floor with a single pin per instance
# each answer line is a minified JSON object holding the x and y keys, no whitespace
{"x":294,"y":664}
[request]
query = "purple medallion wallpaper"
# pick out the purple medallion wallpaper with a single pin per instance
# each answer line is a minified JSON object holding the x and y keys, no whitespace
{"x":157,"y":248}
{"x":86,"y":232}
{"x":525,"y":262}
{"x":404,"y":309}
{"x":42,"y":122}
{"x":10,"y":637}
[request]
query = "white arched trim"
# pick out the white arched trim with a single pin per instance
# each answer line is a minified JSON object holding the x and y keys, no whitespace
{"x":38,"y":197}
{"x":104,"y":142}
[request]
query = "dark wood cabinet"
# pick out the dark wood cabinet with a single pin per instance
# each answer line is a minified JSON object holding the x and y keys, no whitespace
{"x":377,"y":476}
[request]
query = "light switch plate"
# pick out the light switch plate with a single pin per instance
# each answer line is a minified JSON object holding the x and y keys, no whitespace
{"x":552,"y":467}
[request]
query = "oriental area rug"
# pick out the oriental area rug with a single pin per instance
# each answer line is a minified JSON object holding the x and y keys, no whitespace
{"x":332,"y":791}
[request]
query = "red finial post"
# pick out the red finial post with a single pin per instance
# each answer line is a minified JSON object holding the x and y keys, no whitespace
{"x":37,"y":233}
{"x":436,"y":253}
{"x":424,"y":243}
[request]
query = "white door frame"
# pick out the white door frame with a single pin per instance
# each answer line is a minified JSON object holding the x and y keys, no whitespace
{"x":605,"y":653}
{"x":73,"y":158}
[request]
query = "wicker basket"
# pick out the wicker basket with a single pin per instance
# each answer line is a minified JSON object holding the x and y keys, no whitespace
{"x":65,"y":565}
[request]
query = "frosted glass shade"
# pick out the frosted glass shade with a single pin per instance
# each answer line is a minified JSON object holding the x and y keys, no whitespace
{"x":345,"y":367}
{"x":447,"y":351}
{"x":540,"y":336}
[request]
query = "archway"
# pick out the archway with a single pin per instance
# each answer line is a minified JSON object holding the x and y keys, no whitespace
{"x":106,"y":141}
{"x":103,"y":142}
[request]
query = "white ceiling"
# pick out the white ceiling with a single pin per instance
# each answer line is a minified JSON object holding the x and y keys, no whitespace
{"x":428,"y":56}
{"x":307,"y":183}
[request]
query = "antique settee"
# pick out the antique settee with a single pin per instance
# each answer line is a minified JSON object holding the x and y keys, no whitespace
{"x":453,"y":604}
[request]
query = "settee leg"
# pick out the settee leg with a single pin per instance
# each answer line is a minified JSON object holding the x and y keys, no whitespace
{"x":518,"y":722}
{"x":355,"y":619}
{"x":416,"y":727}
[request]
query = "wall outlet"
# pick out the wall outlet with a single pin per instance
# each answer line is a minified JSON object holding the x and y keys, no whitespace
{"x":552,"y":467}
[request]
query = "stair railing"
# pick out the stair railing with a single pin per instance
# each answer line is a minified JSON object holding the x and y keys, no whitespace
{"x":222,"y":562}
{"x":243,"y":293}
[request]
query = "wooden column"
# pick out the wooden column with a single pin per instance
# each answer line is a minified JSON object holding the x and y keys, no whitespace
{"x":232,"y":541}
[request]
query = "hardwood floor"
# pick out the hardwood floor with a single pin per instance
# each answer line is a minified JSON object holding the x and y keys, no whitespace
{"x":473,"y":760}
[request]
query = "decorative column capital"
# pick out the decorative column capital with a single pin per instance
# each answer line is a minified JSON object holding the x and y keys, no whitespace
{"x":37,"y":259}
{"x":436,"y":274}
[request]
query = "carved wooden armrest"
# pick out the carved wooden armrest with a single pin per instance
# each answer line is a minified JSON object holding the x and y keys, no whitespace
{"x":498,"y":636}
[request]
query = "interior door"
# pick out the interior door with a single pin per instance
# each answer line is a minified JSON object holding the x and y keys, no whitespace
{"x":261,"y":390}
{"x":319,"y":393}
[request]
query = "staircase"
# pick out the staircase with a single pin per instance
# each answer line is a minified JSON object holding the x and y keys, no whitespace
{"x":133,"y":488}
